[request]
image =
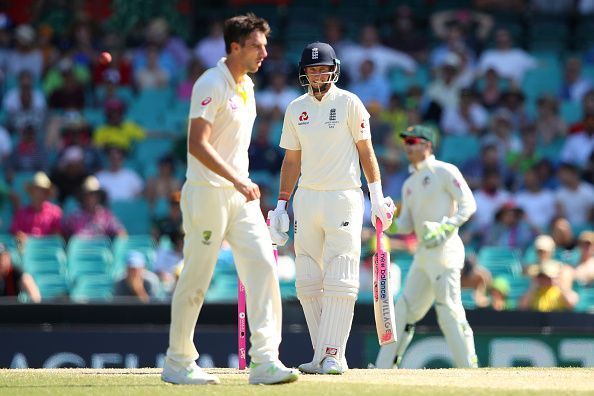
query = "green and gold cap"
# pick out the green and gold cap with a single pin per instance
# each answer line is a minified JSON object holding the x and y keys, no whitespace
{"x":421,"y":131}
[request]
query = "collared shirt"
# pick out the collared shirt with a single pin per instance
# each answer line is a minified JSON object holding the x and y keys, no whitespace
{"x":326,"y":132}
{"x":47,"y":221}
{"x":231,"y":109}
{"x":435,"y":191}
{"x":100,"y":223}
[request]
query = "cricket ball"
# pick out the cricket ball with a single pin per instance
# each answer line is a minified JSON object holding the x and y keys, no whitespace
{"x":105,"y":58}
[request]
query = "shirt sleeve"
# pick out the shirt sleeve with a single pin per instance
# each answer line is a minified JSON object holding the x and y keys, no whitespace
{"x":289,"y":139}
{"x":206,"y":99}
{"x":358,"y":120}
{"x":458,"y":189}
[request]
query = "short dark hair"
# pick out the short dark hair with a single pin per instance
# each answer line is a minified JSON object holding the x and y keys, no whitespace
{"x":237,"y":29}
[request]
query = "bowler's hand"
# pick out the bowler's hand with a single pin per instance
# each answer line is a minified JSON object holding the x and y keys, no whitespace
{"x":249,"y":189}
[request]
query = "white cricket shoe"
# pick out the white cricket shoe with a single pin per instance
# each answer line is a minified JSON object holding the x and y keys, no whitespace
{"x":191,"y":374}
{"x":331,"y":366}
{"x":271,"y":373}
{"x":310,"y":368}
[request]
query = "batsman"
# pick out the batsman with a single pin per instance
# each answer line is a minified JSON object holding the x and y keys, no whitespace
{"x":436,"y":201}
{"x":327,"y":138}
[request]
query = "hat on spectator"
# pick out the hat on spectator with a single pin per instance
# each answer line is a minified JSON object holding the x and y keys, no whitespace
{"x":72,"y":154}
{"x":40,"y":180}
{"x":544,"y":242}
{"x":586,"y":236}
{"x":91,"y":184}
{"x":550,"y":268}
{"x":509,"y":206}
{"x":501,"y":285}
{"x":135,"y":259}
{"x":452,"y":60}
{"x":25,"y":34}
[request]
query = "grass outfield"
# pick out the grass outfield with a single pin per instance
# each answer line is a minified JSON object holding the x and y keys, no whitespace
{"x":487,"y":381}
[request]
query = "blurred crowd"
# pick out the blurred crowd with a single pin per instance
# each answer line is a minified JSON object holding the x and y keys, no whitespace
{"x":89,"y":147}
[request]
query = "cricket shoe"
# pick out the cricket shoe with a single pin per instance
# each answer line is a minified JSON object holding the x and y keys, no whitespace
{"x":310,"y":368}
{"x":331,"y":366}
{"x":271,"y":373}
{"x":191,"y":374}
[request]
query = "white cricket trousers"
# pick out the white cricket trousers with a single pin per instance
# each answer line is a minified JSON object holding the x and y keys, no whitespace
{"x":211,"y":215}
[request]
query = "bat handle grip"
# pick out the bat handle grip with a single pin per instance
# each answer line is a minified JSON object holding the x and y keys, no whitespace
{"x":378,"y":234}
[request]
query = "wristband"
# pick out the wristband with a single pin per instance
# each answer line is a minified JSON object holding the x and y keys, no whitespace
{"x":283,"y":195}
{"x":375,"y":192}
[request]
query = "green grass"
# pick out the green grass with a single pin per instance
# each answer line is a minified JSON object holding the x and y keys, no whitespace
{"x":488,"y":381}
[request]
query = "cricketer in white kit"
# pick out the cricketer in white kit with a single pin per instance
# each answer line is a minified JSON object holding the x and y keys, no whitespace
{"x":219,"y":202}
{"x":436,"y":201}
{"x":326,"y":136}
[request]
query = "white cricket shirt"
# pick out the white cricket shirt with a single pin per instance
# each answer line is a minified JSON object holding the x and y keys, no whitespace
{"x":326,"y":132}
{"x":231,"y":109}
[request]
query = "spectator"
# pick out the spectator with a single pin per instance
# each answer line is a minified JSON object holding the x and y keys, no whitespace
{"x":69,"y":173}
{"x":334,"y":34}
{"x":212,"y":47}
{"x":263,"y":155}
{"x":549,"y":124}
{"x":13,"y":280}
{"x":453,"y":41}
{"x":5,"y":146}
{"x":545,"y":247}
{"x":394,"y":173}
{"x":117,"y":132}
{"x":40,"y":217}
{"x":371,"y":87}
{"x":467,"y":118}
{"x":499,"y":293}
{"x":273,"y":100}
{"x":170,"y":223}
{"x":487,"y":160}
{"x":520,"y":161}
{"x":119,"y":182}
{"x":513,"y":100}
{"x":474,"y":26}
{"x":477,"y":278}
{"x":138,"y":281}
{"x":25,"y":55}
{"x":444,"y":91}
{"x":575,"y":198}
{"x":383,"y":58}
{"x":538,"y":203}
{"x":405,"y":35}
{"x":510,"y":228}
{"x":28,"y":155}
{"x":120,"y":61}
{"x":168,"y":258}
{"x":276,"y":63}
{"x":502,"y":134}
{"x":159,"y":33}
{"x":546,"y":294}
{"x":152,"y":75}
{"x":562,"y":234}
{"x":395,"y":116}
{"x":490,"y":94}
{"x":165,"y":183}
{"x":584,"y":270}
{"x":77,"y":132}
{"x":489,"y":198}
{"x":579,"y":146}
{"x":574,"y":86}
{"x":70,"y":95}
{"x":24,"y":103}
{"x":509,"y":62}
{"x":194,"y":70}
{"x":92,"y":218}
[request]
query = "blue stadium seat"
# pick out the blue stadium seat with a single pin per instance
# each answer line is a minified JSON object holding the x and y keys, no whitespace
{"x":500,"y":260}
{"x":143,"y":243}
{"x":571,"y":112}
{"x":458,"y":149}
{"x":89,"y":262}
{"x":134,"y":215}
{"x":92,"y":288}
{"x":51,"y":286}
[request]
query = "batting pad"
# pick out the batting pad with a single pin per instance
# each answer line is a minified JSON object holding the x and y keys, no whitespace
{"x":308,"y":283}
{"x":341,"y":285}
{"x":458,"y":335}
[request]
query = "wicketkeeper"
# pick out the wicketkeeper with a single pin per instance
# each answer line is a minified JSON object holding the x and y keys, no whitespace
{"x":326,"y":135}
{"x":436,"y":201}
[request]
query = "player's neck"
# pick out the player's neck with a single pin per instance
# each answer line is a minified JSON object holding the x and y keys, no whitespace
{"x":236,"y":68}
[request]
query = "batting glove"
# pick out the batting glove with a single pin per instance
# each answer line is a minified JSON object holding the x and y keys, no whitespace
{"x":278,"y":223}
{"x":434,"y":234}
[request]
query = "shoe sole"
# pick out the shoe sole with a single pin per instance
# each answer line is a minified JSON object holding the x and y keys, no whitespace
{"x":290,"y":378}
{"x":309,"y":372}
{"x":206,"y":382}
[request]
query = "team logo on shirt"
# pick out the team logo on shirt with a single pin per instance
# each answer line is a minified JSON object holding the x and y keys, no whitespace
{"x":234,"y":106}
{"x":303,"y":119}
{"x":206,"y":101}
{"x":331,"y":119}
{"x":426,"y":181}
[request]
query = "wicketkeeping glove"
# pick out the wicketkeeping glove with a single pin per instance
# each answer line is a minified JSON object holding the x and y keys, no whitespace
{"x":278,"y":220}
{"x":434,"y":234}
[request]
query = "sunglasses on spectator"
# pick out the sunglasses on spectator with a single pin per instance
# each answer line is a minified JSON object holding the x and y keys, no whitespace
{"x":412,"y":140}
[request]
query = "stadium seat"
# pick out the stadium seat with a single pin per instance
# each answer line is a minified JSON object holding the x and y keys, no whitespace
{"x":144,"y":243}
{"x":586,"y":302}
{"x":51,"y":286}
{"x":77,"y":244}
{"x":134,"y":215}
{"x":468,"y":299}
{"x":48,"y":264}
{"x":92,"y":288}
{"x":19,"y":184}
{"x":458,"y":149}
{"x":89,"y":262}
{"x":571,"y":112}
{"x":151,"y":150}
{"x":500,"y":260}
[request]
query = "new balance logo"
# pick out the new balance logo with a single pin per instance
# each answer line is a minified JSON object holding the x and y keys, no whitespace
{"x":344,"y":224}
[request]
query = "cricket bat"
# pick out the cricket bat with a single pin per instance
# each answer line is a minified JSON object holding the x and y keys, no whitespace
{"x":241,"y":328}
{"x":383,"y":300}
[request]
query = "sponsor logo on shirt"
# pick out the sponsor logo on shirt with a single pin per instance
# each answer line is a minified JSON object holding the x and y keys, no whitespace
{"x":303,"y":119}
{"x":457,"y":184}
{"x":206,"y":101}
